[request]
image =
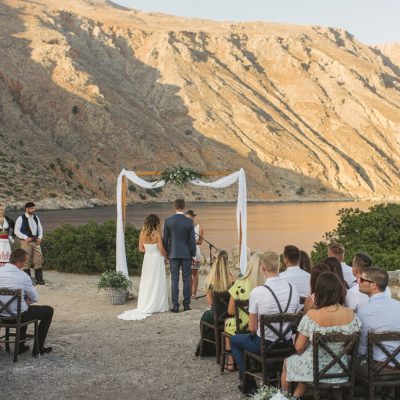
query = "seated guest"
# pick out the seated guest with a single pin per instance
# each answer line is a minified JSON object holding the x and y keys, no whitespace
{"x":274,"y":297}
{"x":354,"y":297}
{"x":13,"y":277}
{"x":316,"y":271}
{"x":219,"y":280}
{"x":329,"y":316}
{"x":380,"y":314}
{"x":304,"y":262}
{"x":294,"y":274}
{"x":337,"y":250}
{"x":241,"y":289}
{"x":336,"y":267}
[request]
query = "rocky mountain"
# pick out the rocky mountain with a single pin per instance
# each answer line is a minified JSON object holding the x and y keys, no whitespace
{"x":309,"y":112}
{"x":391,"y":51}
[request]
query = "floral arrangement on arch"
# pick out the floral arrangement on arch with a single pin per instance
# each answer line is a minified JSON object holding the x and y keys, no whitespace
{"x":180,"y":176}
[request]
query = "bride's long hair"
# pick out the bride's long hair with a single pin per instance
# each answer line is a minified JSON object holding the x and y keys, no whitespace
{"x":218,"y":279}
{"x":152,"y":224}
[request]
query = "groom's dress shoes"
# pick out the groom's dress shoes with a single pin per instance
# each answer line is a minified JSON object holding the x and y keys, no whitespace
{"x":187,"y":308}
{"x":174,"y":309}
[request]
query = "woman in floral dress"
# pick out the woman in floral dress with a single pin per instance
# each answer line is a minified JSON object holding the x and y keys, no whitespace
{"x":328,"y":316}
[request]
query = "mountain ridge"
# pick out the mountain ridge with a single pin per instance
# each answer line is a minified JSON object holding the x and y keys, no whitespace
{"x":309,"y":112}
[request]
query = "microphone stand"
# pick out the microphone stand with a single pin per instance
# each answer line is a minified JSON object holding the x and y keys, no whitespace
{"x":210,"y":246}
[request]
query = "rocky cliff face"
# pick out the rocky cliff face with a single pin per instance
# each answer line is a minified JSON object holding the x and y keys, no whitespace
{"x":309,"y":112}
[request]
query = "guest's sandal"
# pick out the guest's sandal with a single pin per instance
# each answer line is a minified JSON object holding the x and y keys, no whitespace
{"x":230,"y":366}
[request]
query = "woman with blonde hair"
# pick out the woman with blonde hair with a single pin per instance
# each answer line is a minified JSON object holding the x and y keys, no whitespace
{"x":219,"y":280}
{"x":152,"y":296}
{"x":241,"y":289}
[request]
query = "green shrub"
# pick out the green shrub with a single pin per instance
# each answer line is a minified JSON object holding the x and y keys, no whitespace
{"x":90,"y":248}
{"x":113,"y":279}
{"x":376,"y":231}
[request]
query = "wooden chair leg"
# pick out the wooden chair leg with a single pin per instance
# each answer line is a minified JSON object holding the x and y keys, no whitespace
{"x":217,"y":346}
{"x":350,"y":393}
{"x":36,"y":340}
{"x":7,"y":339}
{"x":245,"y":368}
{"x":201,"y":340}
{"x":222,"y":360}
{"x":371,"y":391}
{"x":16,"y":343}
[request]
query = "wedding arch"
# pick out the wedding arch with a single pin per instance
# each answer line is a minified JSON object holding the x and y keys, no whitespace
{"x":224,"y":182}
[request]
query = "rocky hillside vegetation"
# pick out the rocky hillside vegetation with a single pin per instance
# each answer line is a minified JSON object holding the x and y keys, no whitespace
{"x":88,"y":89}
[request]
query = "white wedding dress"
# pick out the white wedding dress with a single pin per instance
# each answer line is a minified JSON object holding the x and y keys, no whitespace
{"x":152,"y":296}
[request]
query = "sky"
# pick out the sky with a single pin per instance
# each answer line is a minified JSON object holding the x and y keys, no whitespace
{"x":370,"y":21}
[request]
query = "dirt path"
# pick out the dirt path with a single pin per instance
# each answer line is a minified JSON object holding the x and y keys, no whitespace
{"x":97,"y":356}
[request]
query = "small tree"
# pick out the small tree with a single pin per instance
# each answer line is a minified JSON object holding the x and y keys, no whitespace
{"x":376,"y":231}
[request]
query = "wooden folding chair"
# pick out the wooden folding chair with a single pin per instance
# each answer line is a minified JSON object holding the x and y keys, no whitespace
{"x":240,"y":305}
{"x":268,"y":366}
{"x":13,"y":322}
{"x":220,"y":310}
{"x":344,"y":356}
{"x":383,"y":375}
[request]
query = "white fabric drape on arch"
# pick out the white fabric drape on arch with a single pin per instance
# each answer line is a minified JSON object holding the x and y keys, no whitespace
{"x":241,"y":210}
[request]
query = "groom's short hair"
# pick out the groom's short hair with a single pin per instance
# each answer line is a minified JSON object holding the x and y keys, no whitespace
{"x":179,"y":204}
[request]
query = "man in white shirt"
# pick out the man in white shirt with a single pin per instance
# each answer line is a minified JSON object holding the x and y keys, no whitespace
{"x":380,"y":314}
{"x":337,"y":250}
{"x":30,"y":232}
{"x":294,"y":274}
{"x":354,"y":297}
{"x":11,"y":277}
{"x":274,"y":297}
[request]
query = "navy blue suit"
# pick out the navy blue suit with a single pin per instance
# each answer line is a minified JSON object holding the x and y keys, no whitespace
{"x":180,"y":243}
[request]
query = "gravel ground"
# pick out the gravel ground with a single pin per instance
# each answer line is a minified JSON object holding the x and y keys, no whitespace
{"x":97,"y":356}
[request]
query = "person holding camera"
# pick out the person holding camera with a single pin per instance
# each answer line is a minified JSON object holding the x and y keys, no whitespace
{"x":30,"y":232}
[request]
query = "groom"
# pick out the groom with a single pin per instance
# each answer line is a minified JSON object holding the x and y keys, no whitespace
{"x":180,"y":243}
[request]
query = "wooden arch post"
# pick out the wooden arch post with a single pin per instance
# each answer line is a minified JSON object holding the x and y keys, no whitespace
{"x":123,"y":199}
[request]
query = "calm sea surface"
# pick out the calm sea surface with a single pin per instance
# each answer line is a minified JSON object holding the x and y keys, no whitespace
{"x":269,"y":226}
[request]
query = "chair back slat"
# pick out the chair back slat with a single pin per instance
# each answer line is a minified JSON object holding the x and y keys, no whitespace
{"x":241,"y":305}
{"x":269,"y":322}
{"x":16,"y":295}
{"x":389,"y":366}
{"x":220,"y":304}
{"x":349,"y":345}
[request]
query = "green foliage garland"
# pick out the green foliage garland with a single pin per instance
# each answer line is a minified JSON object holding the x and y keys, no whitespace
{"x":89,"y":248}
{"x":376,"y":231}
{"x":180,"y":176}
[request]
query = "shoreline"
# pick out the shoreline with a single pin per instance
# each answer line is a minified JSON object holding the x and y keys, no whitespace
{"x":80,"y":204}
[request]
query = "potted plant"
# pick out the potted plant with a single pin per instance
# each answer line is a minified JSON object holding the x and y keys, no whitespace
{"x":116,"y":285}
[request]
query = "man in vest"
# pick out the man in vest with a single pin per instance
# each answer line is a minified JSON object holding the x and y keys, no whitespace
{"x":30,"y":232}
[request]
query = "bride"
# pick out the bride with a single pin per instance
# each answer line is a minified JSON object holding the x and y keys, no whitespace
{"x":153,"y":286}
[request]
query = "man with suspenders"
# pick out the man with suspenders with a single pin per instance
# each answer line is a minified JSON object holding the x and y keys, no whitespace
{"x":276,"y":296}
